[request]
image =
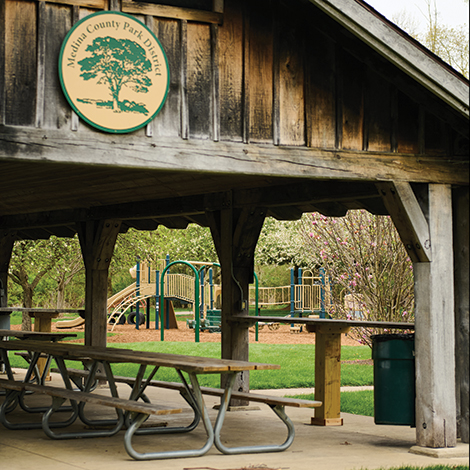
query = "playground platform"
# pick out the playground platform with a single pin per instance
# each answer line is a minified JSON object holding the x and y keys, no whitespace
{"x":359,"y":444}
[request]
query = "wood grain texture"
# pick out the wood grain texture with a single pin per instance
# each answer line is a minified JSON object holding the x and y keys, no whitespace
{"x":328,"y":375}
{"x":96,"y":4}
{"x":408,"y":218}
{"x":320,"y":90}
{"x":165,"y":11}
{"x":378,"y":114}
{"x":231,"y":69}
{"x":261,"y":71}
{"x":168,"y":122}
{"x":352,"y":102}
{"x":407,"y":125}
{"x":57,"y":112}
{"x":227,"y":158}
{"x":460,"y":198}
{"x":435,"y":330}
{"x":20,"y":65}
{"x":291,"y":80}
{"x":199,"y":81}
{"x":215,"y":82}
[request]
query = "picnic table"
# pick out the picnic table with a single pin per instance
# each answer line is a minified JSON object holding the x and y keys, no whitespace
{"x":187,"y":367}
{"x":40,"y":336}
{"x":42,"y":372}
{"x":42,"y":324}
{"x":327,"y":357}
{"x":43,"y":316}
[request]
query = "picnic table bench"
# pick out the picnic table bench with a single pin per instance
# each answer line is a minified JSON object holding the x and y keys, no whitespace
{"x":191,"y":391}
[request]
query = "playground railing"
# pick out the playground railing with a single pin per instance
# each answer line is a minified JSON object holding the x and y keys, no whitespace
{"x":180,"y":286}
{"x":272,"y":295}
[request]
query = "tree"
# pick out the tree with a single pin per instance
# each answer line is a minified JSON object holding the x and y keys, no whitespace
{"x":28,"y":266}
{"x":34,"y":261}
{"x":118,"y":63}
{"x":69,"y":262}
{"x":367,"y":265}
{"x":449,"y":43}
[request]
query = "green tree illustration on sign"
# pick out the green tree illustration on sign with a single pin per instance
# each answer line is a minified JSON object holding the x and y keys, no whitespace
{"x":118,"y":63}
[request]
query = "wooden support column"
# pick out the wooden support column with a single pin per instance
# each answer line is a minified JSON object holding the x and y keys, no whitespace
{"x":462,"y":301}
{"x":7,"y":240}
{"x":424,"y":222}
{"x":328,"y":374}
{"x":436,"y":424}
{"x":97,"y":240}
{"x":235,"y":234}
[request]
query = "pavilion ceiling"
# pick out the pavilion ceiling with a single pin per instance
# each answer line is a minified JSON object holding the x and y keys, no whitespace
{"x":39,"y":200}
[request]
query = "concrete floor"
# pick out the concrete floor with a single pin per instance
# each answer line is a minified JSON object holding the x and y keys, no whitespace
{"x":358,"y":444}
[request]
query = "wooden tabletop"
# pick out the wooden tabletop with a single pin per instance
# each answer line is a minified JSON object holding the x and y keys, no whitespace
{"x":326,"y":321}
{"x":44,"y":336}
{"x":40,"y":310}
{"x":195,"y":364}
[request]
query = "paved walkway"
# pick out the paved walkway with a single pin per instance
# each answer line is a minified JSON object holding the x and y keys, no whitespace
{"x":359,"y":444}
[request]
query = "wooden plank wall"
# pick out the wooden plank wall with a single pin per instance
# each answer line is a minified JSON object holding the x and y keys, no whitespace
{"x":250,"y":71}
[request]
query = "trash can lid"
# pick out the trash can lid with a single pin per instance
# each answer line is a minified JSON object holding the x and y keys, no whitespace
{"x":392,"y":337}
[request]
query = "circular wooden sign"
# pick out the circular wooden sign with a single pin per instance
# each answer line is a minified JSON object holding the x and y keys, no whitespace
{"x":114,"y":72}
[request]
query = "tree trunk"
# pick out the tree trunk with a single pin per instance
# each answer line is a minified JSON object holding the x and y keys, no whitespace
{"x":61,"y":291}
{"x":26,"y":323}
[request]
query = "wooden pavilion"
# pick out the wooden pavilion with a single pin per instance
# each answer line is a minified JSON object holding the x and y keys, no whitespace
{"x":275,"y":108}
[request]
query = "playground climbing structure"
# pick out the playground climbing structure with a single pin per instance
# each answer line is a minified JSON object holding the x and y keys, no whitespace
{"x":308,"y":294}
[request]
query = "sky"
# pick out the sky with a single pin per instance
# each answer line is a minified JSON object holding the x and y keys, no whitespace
{"x":452,"y":12}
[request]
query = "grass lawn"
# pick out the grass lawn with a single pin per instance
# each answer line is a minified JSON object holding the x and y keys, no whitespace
{"x":356,"y":403}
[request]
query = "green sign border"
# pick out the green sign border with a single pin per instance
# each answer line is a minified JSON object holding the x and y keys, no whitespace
{"x":64,"y":89}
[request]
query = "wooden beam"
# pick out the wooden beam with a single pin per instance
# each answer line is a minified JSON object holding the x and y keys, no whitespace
{"x":97,"y":240}
{"x":94,"y":4}
{"x":278,"y":196}
{"x":229,"y":158}
{"x":165,"y":11}
{"x":435,"y":335}
{"x":403,"y":206}
{"x":462,"y":301}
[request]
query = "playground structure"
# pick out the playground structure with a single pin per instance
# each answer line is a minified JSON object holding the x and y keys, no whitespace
{"x":306,"y":295}
{"x":159,"y":283}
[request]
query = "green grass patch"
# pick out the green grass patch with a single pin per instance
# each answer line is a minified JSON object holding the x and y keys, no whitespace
{"x":357,"y":403}
{"x":296,"y":361}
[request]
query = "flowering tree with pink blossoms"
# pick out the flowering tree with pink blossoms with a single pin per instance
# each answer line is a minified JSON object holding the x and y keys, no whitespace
{"x":368,"y":267}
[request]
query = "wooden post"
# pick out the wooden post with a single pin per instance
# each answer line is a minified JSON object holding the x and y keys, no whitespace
{"x":424,"y":222}
{"x":462,"y":289}
{"x":435,"y":343}
{"x":7,"y":240}
{"x":328,"y":375}
{"x":97,"y":240}
{"x":43,"y":324}
{"x":235,"y":234}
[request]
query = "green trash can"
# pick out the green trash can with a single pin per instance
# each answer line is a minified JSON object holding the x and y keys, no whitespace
{"x":394,"y":379}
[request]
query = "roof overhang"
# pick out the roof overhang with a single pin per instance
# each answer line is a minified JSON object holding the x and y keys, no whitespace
{"x":392,"y":43}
